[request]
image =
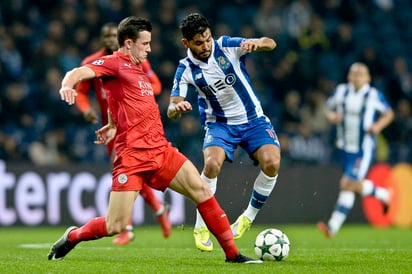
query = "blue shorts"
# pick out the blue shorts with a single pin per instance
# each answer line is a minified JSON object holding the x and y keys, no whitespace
{"x":356,"y":165}
{"x":250,"y":136}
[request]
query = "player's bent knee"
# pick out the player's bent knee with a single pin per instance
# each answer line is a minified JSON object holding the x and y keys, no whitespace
{"x":115,"y":228}
{"x":200,"y":194}
{"x":212,"y":169}
{"x":271,"y":168}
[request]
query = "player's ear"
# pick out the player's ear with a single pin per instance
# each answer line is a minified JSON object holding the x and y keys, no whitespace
{"x":185,"y":43}
{"x":128,"y":43}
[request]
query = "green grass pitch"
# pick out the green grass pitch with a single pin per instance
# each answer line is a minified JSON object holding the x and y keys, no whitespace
{"x":356,"y":249}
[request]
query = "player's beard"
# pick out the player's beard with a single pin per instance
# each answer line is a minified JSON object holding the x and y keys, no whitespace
{"x":203,"y":56}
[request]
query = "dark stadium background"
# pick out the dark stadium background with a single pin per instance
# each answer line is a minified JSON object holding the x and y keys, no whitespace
{"x":317,"y":41}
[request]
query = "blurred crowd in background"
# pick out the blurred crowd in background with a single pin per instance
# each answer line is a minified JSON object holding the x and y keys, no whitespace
{"x":40,"y":40}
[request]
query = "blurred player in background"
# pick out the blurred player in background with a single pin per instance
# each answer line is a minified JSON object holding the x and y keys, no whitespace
{"x":109,"y":45}
{"x":360,"y":112}
{"x":229,"y":110}
{"x":143,"y":154}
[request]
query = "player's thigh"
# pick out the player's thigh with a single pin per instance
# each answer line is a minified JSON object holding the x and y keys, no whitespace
{"x":188,"y":183}
{"x":261,"y":142}
{"x":221,"y":136}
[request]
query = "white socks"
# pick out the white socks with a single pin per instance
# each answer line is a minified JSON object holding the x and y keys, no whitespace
{"x":369,"y":189}
{"x":344,"y":204}
{"x":262,"y":188}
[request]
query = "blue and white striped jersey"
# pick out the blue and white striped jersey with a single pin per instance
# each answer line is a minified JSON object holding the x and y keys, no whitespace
{"x":225,"y":91}
{"x":359,"y":111}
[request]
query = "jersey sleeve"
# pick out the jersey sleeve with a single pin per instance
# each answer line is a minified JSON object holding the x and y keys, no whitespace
{"x":83,"y":88}
{"x":104,"y":66}
{"x":181,"y":81}
{"x":231,"y":44}
{"x":153,"y":78}
{"x":382,"y":104}
{"x":332,"y":101}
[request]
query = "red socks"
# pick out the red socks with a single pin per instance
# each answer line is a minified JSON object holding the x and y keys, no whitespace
{"x":93,"y":230}
{"x":150,"y":198}
{"x":218,"y":223}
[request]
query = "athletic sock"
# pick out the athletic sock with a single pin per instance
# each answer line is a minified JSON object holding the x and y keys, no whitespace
{"x":262,"y":188}
{"x":92,"y":230}
{"x":160,"y":211}
{"x":218,"y":223}
{"x":129,"y":226}
{"x":212,"y":183}
{"x":382,"y":194}
{"x":369,"y":189}
{"x":344,"y":205}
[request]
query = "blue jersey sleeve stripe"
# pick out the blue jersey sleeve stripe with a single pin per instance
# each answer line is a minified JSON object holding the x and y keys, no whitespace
{"x":231,"y":42}
{"x":382,"y":99}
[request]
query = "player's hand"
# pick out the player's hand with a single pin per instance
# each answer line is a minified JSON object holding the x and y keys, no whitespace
{"x":68,"y":94}
{"x":249,"y":45}
{"x":374,"y":129}
{"x":105,"y":134}
{"x":335,"y":117}
{"x":91,"y":116}
{"x":183,"y":107}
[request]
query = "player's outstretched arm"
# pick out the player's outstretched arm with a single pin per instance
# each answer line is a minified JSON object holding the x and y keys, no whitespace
{"x":260,"y":44}
{"x":72,"y":77}
{"x":382,"y":122}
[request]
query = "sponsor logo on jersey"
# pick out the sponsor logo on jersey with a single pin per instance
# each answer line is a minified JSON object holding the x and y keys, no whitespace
{"x":230,"y":79}
{"x":145,"y":88}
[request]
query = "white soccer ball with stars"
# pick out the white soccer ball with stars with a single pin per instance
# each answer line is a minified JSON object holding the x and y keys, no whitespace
{"x":272,"y":245}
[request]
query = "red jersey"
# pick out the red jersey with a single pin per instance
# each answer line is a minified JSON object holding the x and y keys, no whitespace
{"x":154,"y":80}
{"x":131,"y":102}
{"x":83,"y":87}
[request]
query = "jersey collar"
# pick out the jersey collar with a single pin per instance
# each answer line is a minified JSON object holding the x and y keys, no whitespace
{"x":121,"y":55}
{"x":362,"y":90}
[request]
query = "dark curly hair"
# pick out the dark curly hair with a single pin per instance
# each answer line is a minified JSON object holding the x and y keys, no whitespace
{"x":193,"y":24}
{"x":130,"y":27}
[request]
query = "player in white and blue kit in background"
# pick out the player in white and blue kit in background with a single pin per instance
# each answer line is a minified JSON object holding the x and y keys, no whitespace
{"x":360,"y":113}
{"x":229,"y":110}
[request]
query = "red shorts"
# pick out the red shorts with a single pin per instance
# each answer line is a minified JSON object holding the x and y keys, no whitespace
{"x":154,"y":167}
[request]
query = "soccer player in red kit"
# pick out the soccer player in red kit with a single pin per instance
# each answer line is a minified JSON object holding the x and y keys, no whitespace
{"x":108,"y":38}
{"x":143,"y":154}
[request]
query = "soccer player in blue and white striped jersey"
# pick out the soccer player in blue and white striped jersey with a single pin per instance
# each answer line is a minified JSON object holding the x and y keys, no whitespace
{"x":230,"y":111}
{"x":360,"y":113}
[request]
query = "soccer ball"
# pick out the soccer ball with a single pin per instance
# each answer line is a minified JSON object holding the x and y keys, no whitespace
{"x":272,"y":245}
